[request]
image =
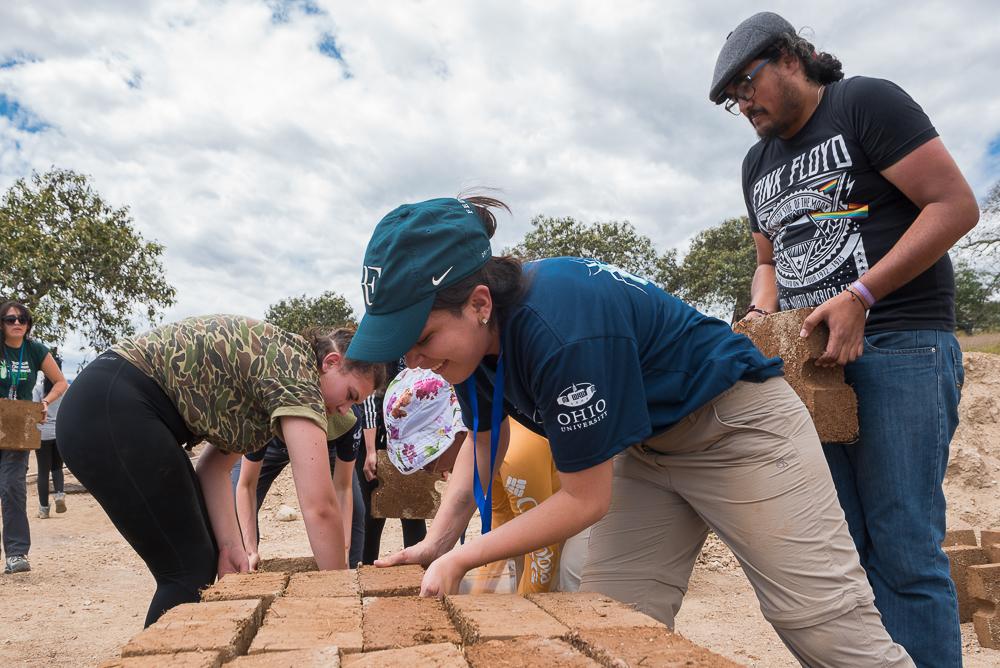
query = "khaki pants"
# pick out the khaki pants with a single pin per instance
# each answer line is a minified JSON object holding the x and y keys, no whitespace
{"x":749,"y":466}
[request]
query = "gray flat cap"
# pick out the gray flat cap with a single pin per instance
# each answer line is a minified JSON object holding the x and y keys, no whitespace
{"x":743,"y":44}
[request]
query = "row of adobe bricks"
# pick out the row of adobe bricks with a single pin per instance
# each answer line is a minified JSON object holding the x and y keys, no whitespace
{"x":975,"y":569}
{"x":373,"y":617}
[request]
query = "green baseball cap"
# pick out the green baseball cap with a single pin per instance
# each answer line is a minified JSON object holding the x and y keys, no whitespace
{"x":416,"y":250}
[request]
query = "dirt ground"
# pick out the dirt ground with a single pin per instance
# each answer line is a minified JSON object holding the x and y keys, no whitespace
{"x":87,"y":592}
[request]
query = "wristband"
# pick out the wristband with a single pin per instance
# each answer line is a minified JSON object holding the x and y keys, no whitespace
{"x":754,"y":309}
{"x":864,"y":293}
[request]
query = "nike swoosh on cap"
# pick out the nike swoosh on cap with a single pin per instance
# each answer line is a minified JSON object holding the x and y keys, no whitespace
{"x":437,"y":281}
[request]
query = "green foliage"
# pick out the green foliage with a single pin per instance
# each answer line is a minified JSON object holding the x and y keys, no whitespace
{"x":975,"y":308}
{"x":985,"y":238}
{"x":76,"y":261}
{"x":616,"y":243}
{"x":717,"y":270}
{"x":297,"y":313}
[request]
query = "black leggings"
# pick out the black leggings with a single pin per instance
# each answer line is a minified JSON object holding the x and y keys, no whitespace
{"x":49,"y":461}
{"x":120,"y":436}
{"x":414,"y":531}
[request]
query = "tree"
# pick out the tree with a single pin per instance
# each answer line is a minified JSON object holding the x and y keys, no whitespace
{"x":297,"y":313}
{"x":974,"y":307}
{"x":717,"y":270}
{"x":615,"y":243}
{"x":985,"y":238}
{"x":76,"y":261}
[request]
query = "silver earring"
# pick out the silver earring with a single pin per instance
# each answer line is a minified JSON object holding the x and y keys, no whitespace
{"x":484,"y":321}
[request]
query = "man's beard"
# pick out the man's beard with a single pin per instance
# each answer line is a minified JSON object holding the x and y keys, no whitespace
{"x":787,"y":113}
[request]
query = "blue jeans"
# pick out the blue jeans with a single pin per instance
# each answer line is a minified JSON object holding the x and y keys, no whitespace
{"x":14,"y":502}
{"x":889,"y":483}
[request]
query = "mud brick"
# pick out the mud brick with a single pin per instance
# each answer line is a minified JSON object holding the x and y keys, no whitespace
{"x":831,"y":402}
{"x":223,"y":626}
{"x":288,"y":565}
{"x":984,"y":586}
{"x":19,"y":425}
{"x":237,"y":586}
{"x":987,"y":538}
{"x":500,"y":617}
{"x":175,"y":660}
{"x":320,"y":657}
{"x":412,"y":496}
{"x":526,"y":652}
{"x":310,"y":623}
{"x":323,"y":584}
{"x":393,"y":581}
{"x":404,"y":621}
{"x":590,"y":610}
{"x":990,"y":540}
{"x":959,"y":537}
{"x":441,"y":655}
{"x":961,"y":557}
{"x":649,"y":646}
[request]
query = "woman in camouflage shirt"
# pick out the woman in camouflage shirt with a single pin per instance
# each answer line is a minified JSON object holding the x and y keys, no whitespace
{"x":228,"y":380}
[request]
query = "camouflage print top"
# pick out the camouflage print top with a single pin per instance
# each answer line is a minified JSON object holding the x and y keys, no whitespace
{"x":231,"y":377}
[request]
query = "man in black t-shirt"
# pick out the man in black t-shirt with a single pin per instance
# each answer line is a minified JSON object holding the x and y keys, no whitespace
{"x":853,"y":202}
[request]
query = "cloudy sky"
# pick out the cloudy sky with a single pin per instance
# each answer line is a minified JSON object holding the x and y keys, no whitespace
{"x":261,"y":140}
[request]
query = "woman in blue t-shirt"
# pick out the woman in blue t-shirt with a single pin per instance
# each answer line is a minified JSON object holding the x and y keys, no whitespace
{"x":23,"y":358}
{"x":662,"y":423}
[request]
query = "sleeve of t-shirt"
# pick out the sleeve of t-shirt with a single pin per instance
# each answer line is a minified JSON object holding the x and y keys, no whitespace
{"x":256,"y":455}
{"x":370,"y":414}
{"x":291,"y":397}
{"x":593,"y":404}
{"x":38,"y":351}
{"x":744,"y":178}
{"x":888,"y":122}
{"x":346,"y":445}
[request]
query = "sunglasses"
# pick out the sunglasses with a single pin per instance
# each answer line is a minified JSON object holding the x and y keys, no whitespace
{"x":11,"y":319}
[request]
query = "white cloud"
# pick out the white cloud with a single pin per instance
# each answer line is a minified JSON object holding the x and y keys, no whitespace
{"x":262,"y":164}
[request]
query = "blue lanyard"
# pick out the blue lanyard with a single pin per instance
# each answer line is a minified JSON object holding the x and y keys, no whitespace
{"x":484,"y":499}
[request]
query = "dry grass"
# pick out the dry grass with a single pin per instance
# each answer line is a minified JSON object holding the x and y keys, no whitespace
{"x":988,"y":342}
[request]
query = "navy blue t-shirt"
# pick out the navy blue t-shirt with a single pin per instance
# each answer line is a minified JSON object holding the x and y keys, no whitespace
{"x":597,"y":359}
{"x":345,"y":447}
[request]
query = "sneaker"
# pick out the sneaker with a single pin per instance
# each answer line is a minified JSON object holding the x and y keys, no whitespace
{"x":43,"y":512}
{"x":60,"y":502}
{"x":17,"y":564}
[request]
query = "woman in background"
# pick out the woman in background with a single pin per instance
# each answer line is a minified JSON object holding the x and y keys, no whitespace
{"x":23,"y":358}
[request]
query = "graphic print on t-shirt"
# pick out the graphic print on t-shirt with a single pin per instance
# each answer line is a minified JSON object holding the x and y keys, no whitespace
{"x":596,"y":267}
{"x":804,"y":208}
{"x":577,"y":410}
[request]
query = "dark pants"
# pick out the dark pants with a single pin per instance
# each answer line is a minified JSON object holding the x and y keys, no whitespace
{"x":414,"y":531}
{"x":274,"y":462}
{"x":120,"y":436}
{"x":49,"y":460}
{"x":14,"y":502}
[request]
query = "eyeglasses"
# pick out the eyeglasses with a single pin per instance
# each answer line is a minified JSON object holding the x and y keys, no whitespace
{"x":11,"y":319}
{"x":744,"y":89}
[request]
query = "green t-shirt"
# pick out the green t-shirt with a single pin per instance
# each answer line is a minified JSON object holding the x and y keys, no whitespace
{"x":21,"y":367}
{"x":230,"y":377}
